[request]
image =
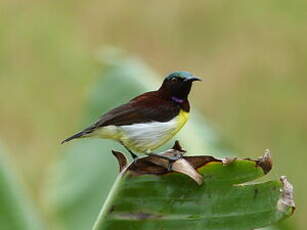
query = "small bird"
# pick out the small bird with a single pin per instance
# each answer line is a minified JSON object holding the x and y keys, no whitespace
{"x":149,"y":120}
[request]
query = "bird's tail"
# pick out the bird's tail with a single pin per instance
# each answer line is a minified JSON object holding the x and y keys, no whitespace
{"x":77,"y":135}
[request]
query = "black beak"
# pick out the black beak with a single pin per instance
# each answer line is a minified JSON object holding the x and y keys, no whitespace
{"x":193,"y":78}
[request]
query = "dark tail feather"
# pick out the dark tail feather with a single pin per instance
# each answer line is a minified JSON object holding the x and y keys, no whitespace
{"x":74,"y":137}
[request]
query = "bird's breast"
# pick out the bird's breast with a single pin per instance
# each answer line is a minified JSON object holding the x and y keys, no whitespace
{"x":182,"y":118}
{"x":145,"y":137}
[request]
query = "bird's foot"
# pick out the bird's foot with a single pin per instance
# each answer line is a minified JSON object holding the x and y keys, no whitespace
{"x":174,"y":157}
{"x":170,"y":159}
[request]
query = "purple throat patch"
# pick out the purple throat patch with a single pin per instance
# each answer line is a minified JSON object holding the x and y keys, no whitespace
{"x":177,"y":100}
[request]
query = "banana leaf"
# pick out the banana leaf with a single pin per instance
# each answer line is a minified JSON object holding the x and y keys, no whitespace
{"x":147,"y":196}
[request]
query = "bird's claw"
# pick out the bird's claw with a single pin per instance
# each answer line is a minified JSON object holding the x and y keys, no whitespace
{"x":171,"y":159}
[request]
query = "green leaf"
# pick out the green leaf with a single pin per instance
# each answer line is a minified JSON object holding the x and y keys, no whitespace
{"x":175,"y":201}
{"x":86,"y":171}
{"x":16,"y":210}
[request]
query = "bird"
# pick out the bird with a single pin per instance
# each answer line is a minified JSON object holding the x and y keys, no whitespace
{"x":149,"y":120}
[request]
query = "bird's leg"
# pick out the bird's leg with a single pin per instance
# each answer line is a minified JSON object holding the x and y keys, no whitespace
{"x":133,"y":155}
{"x":170,"y":158}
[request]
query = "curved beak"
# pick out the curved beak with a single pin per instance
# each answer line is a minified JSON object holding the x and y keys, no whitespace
{"x":193,"y":78}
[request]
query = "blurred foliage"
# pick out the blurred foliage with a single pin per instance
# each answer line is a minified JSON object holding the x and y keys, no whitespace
{"x":252,"y":54}
{"x":16,"y":210}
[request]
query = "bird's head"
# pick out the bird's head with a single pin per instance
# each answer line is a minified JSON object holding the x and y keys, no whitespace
{"x":178,"y":84}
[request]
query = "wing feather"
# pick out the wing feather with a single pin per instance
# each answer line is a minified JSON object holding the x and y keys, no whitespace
{"x":142,"y":109}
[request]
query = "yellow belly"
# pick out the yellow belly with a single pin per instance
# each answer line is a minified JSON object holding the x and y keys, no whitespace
{"x":182,"y":118}
{"x":146,"y":137}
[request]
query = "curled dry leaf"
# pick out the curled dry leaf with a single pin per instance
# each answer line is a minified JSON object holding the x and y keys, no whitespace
{"x":286,"y":200}
{"x":184,"y":167}
{"x":160,"y":165}
{"x":122,"y":160}
{"x":265,"y":162}
{"x":228,"y":160}
{"x":188,"y":165}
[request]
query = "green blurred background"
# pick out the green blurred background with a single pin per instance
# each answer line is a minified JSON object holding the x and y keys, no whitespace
{"x":252,"y":55}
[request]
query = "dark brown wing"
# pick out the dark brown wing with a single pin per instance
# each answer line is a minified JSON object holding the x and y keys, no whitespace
{"x":144,"y":108}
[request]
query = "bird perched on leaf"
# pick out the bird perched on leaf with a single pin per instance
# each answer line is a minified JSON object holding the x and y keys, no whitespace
{"x":147,"y":121}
